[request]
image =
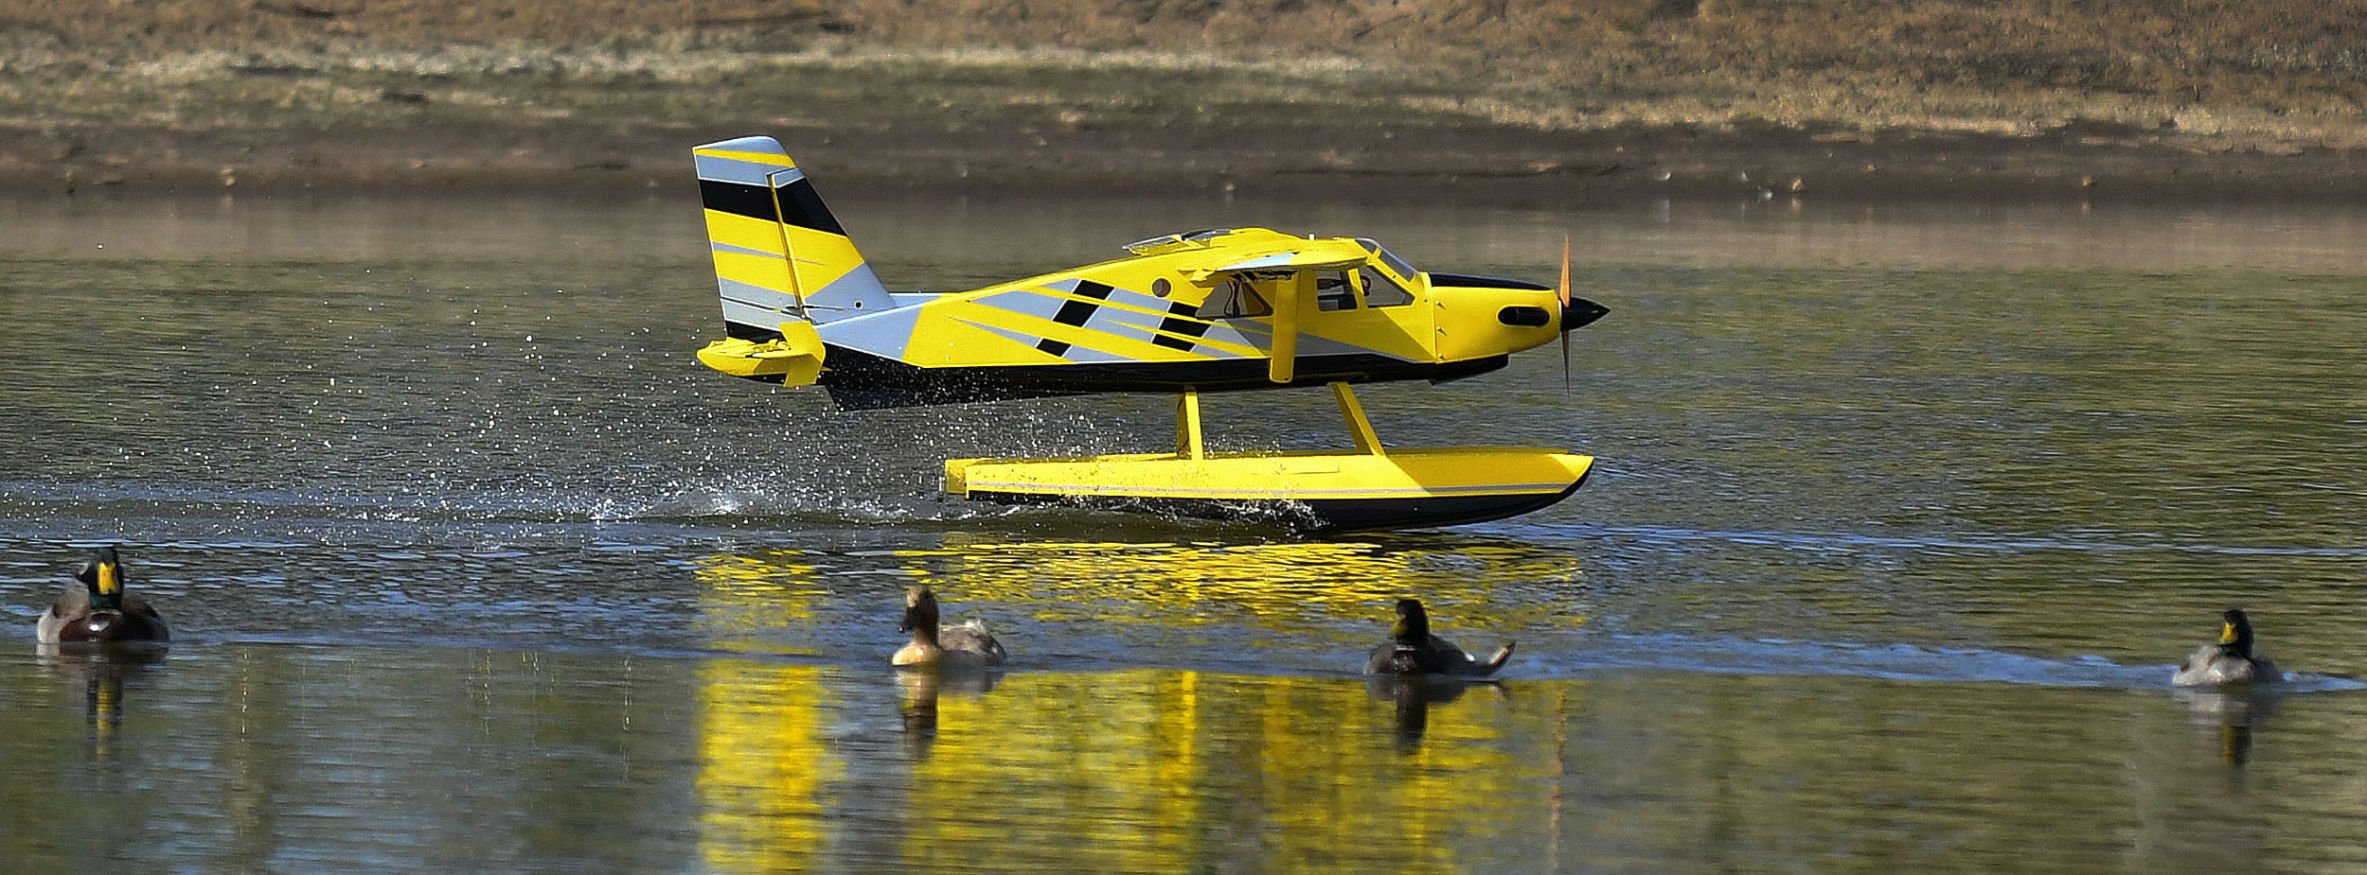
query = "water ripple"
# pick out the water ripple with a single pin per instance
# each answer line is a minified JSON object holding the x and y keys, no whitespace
{"x":1895,"y":662}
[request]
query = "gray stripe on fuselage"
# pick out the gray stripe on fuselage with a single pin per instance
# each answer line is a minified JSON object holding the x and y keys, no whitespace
{"x":1117,"y":316}
{"x":1223,"y":331}
{"x":883,"y":333}
{"x":1148,"y":332}
{"x":837,"y":300}
{"x":1042,"y":302}
{"x":1073,"y":353}
{"x":1028,"y":339}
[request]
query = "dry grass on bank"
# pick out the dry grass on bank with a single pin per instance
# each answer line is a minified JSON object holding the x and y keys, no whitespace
{"x":2288,"y":72}
{"x":239,"y":87}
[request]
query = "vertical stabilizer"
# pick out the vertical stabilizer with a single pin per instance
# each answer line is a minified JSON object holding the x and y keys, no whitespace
{"x":780,"y":255}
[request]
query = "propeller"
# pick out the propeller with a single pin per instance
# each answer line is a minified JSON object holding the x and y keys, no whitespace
{"x":1565,"y":295}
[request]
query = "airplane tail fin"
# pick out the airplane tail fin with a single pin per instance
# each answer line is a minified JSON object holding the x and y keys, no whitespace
{"x":780,"y":256}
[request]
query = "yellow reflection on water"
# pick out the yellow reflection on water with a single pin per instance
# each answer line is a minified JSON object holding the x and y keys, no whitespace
{"x":1142,"y":770}
{"x":764,"y":764}
{"x":1276,"y":585}
{"x":1148,"y":770}
{"x":1476,"y":583}
{"x":739,"y":595}
{"x":1103,"y":763}
{"x":1338,"y":778}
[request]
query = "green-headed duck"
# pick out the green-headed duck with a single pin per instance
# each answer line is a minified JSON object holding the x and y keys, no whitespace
{"x":2230,"y":661}
{"x":1411,"y":649}
{"x":96,"y":609}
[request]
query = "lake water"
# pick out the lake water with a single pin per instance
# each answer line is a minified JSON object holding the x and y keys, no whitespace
{"x":1902,"y":514}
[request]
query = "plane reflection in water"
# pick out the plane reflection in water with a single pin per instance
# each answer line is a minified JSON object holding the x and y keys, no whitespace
{"x":748,"y":603}
{"x":1092,"y":754}
{"x":765,"y":767}
{"x":1299,"y":591}
{"x":1314,"y":606}
{"x":1134,"y":770}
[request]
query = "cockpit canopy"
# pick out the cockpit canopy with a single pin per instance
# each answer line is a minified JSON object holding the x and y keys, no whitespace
{"x":1245,"y":268}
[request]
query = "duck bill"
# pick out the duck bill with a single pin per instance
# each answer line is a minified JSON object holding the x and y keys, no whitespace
{"x":110,"y":579}
{"x":2227,"y":633}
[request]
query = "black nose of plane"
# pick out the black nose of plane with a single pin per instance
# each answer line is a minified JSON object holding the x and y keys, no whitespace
{"x":1582,"y":313}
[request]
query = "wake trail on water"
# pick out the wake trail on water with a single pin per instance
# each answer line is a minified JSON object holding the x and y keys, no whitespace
{"x":2090,"y":542}
{"x":727,"y":500}
{"x":1891,"y":662}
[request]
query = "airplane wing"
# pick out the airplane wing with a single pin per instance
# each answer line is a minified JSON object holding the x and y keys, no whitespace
{"x":1314,"y":254}
{"x":1301,"y":260}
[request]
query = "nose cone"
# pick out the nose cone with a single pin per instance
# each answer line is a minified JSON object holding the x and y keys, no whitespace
{"x":1582,"y":313}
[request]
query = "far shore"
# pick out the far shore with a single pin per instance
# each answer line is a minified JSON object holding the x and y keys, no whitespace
{"x":1471,"y":161}
{"x":316,"y":108}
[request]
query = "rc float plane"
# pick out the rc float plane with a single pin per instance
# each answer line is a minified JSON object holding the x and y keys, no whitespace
{"x":1211,"y":310}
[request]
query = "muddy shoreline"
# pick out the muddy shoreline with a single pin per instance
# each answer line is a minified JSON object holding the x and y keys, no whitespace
{"x":1491,"y":162}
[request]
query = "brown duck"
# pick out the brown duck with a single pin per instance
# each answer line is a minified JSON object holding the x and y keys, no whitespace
{"x":963,"y":645}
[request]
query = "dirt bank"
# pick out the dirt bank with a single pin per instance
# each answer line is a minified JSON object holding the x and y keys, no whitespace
{"x":1502,"y":99}
{"x":1479,"y":160}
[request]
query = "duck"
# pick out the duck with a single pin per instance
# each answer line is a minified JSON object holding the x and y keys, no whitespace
{"x":2230,"y":661}
{"x":1411,"y":649}
{"x":98,"y":610}
{"x":963,"y":645}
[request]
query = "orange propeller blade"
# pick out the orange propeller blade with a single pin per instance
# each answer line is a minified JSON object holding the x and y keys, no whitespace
{"x":1565,"y":325}
{"x":1565,"y":287}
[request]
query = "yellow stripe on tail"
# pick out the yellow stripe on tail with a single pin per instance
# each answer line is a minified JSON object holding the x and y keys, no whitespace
{"x":780,"y":256}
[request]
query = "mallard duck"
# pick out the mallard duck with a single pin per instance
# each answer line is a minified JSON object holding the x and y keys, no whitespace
{"x":2230,"y":662}
{"x":98,"y":610}
{"x":964,"y":645}
{"x":1411,"y":649}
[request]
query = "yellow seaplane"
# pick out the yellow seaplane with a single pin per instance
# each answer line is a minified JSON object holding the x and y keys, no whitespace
{"x":1201,"y":311}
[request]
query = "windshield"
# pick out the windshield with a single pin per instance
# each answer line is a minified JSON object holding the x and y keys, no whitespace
{"x":1398,"y":265}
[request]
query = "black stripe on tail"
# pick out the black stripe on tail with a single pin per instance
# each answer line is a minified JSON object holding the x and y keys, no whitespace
{"x":800,"y":206}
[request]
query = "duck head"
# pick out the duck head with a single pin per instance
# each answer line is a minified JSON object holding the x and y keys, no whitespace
{"x":1412,"y":628}
{"x":2235,"y":633}
{"x":920,"y":612}
{"x":103,"y":576}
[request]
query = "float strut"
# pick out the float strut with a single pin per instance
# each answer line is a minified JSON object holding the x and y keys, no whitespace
{"x":1188,"y":444}
{"x":1359,"y":427}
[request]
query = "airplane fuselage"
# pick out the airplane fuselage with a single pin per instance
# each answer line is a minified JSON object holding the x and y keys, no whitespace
{"x":1212,"y":310}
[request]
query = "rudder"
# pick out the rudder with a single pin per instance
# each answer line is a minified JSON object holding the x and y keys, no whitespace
{"x":761,"y":210}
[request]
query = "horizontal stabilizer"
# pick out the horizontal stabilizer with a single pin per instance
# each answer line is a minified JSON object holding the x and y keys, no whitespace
{"x":795,"y":359}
